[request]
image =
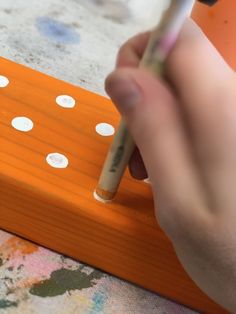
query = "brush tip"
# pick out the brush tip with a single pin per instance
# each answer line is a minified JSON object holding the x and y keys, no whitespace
{"x":100,"y":199}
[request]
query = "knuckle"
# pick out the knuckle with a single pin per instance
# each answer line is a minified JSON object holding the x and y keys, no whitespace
{"x":122,"y":53}
{"x":124,"y":48}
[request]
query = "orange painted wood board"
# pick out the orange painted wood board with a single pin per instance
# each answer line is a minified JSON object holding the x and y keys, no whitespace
{"x":55,"y":207}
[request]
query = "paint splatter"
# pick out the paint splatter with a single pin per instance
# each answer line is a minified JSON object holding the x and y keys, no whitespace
{"x":99,"y":300}
{"x":6,"y":303}
{"x":11,"y":268}
{"x":15,"y":246}
{"x":57,"y":31}
{"x":63,"y":280}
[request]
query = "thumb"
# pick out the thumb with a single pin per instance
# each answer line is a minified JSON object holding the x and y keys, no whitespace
{"x":154,"y":118}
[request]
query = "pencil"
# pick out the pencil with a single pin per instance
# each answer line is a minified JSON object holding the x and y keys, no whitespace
{"x":161,"y":41}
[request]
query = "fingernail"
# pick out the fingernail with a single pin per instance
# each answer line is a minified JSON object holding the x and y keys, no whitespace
{"x":124,"y":92}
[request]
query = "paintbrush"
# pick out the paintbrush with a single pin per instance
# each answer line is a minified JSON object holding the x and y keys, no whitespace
{"x":161,"y":42}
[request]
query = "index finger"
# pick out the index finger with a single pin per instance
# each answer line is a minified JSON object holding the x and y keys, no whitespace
{"x":132,"y":51}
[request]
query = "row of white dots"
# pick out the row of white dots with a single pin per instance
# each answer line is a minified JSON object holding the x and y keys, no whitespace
{"x":24,"y":124}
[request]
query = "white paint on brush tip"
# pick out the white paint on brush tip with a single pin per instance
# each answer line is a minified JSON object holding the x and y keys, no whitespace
{"x":22,"y":124}
{"x":3,"y":81}
{"x":57,"y":160}
{"x":148,"y":181}
{"x":65,"y":101}
{"x":105,"y":129}
{"x":99,"y":199}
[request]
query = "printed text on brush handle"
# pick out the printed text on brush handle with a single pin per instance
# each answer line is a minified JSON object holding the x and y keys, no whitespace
{"x":119,"y":152}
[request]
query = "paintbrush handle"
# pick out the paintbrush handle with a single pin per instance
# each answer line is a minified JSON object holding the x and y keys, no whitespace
{"x":116,"y":163}
{"x":164,"y":36}
{"x":160,"y":44}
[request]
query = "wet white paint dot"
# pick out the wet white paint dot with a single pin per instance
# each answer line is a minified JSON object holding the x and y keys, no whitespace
{"x":105,"y":129}
{"x":57,"y":160}
{"x":65,"y":101}
{"x":3,"y":81}
{"x":98,"y":198}
{"x":22,"y":124}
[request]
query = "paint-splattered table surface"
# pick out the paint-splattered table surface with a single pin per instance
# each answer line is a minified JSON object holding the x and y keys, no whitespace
{"x":76,"y":41}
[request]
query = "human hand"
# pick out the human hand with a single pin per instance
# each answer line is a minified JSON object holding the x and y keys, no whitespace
{"x":185,"y":129}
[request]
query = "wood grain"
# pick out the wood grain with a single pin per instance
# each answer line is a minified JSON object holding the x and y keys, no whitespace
{"x":56,"y":207}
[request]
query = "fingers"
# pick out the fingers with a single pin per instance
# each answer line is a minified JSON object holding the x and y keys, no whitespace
{"x":198,"y":74}
{"x":130,"y":55}
{"x":131,"y":52}
{"x":137,"y":167}
{"x":152,"y":116}
{"x":205,"y":85}
{"x":200,"y":77}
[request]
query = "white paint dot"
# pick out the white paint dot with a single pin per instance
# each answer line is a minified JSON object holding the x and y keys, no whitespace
{"x":65,"y":101}
{"x":105,"y":129}
{"x":148,"y":181}
{"x":57,"y":160}
{"x":22,"y":124}
{"x":98,"y":198}
{"x":3,"y":81}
